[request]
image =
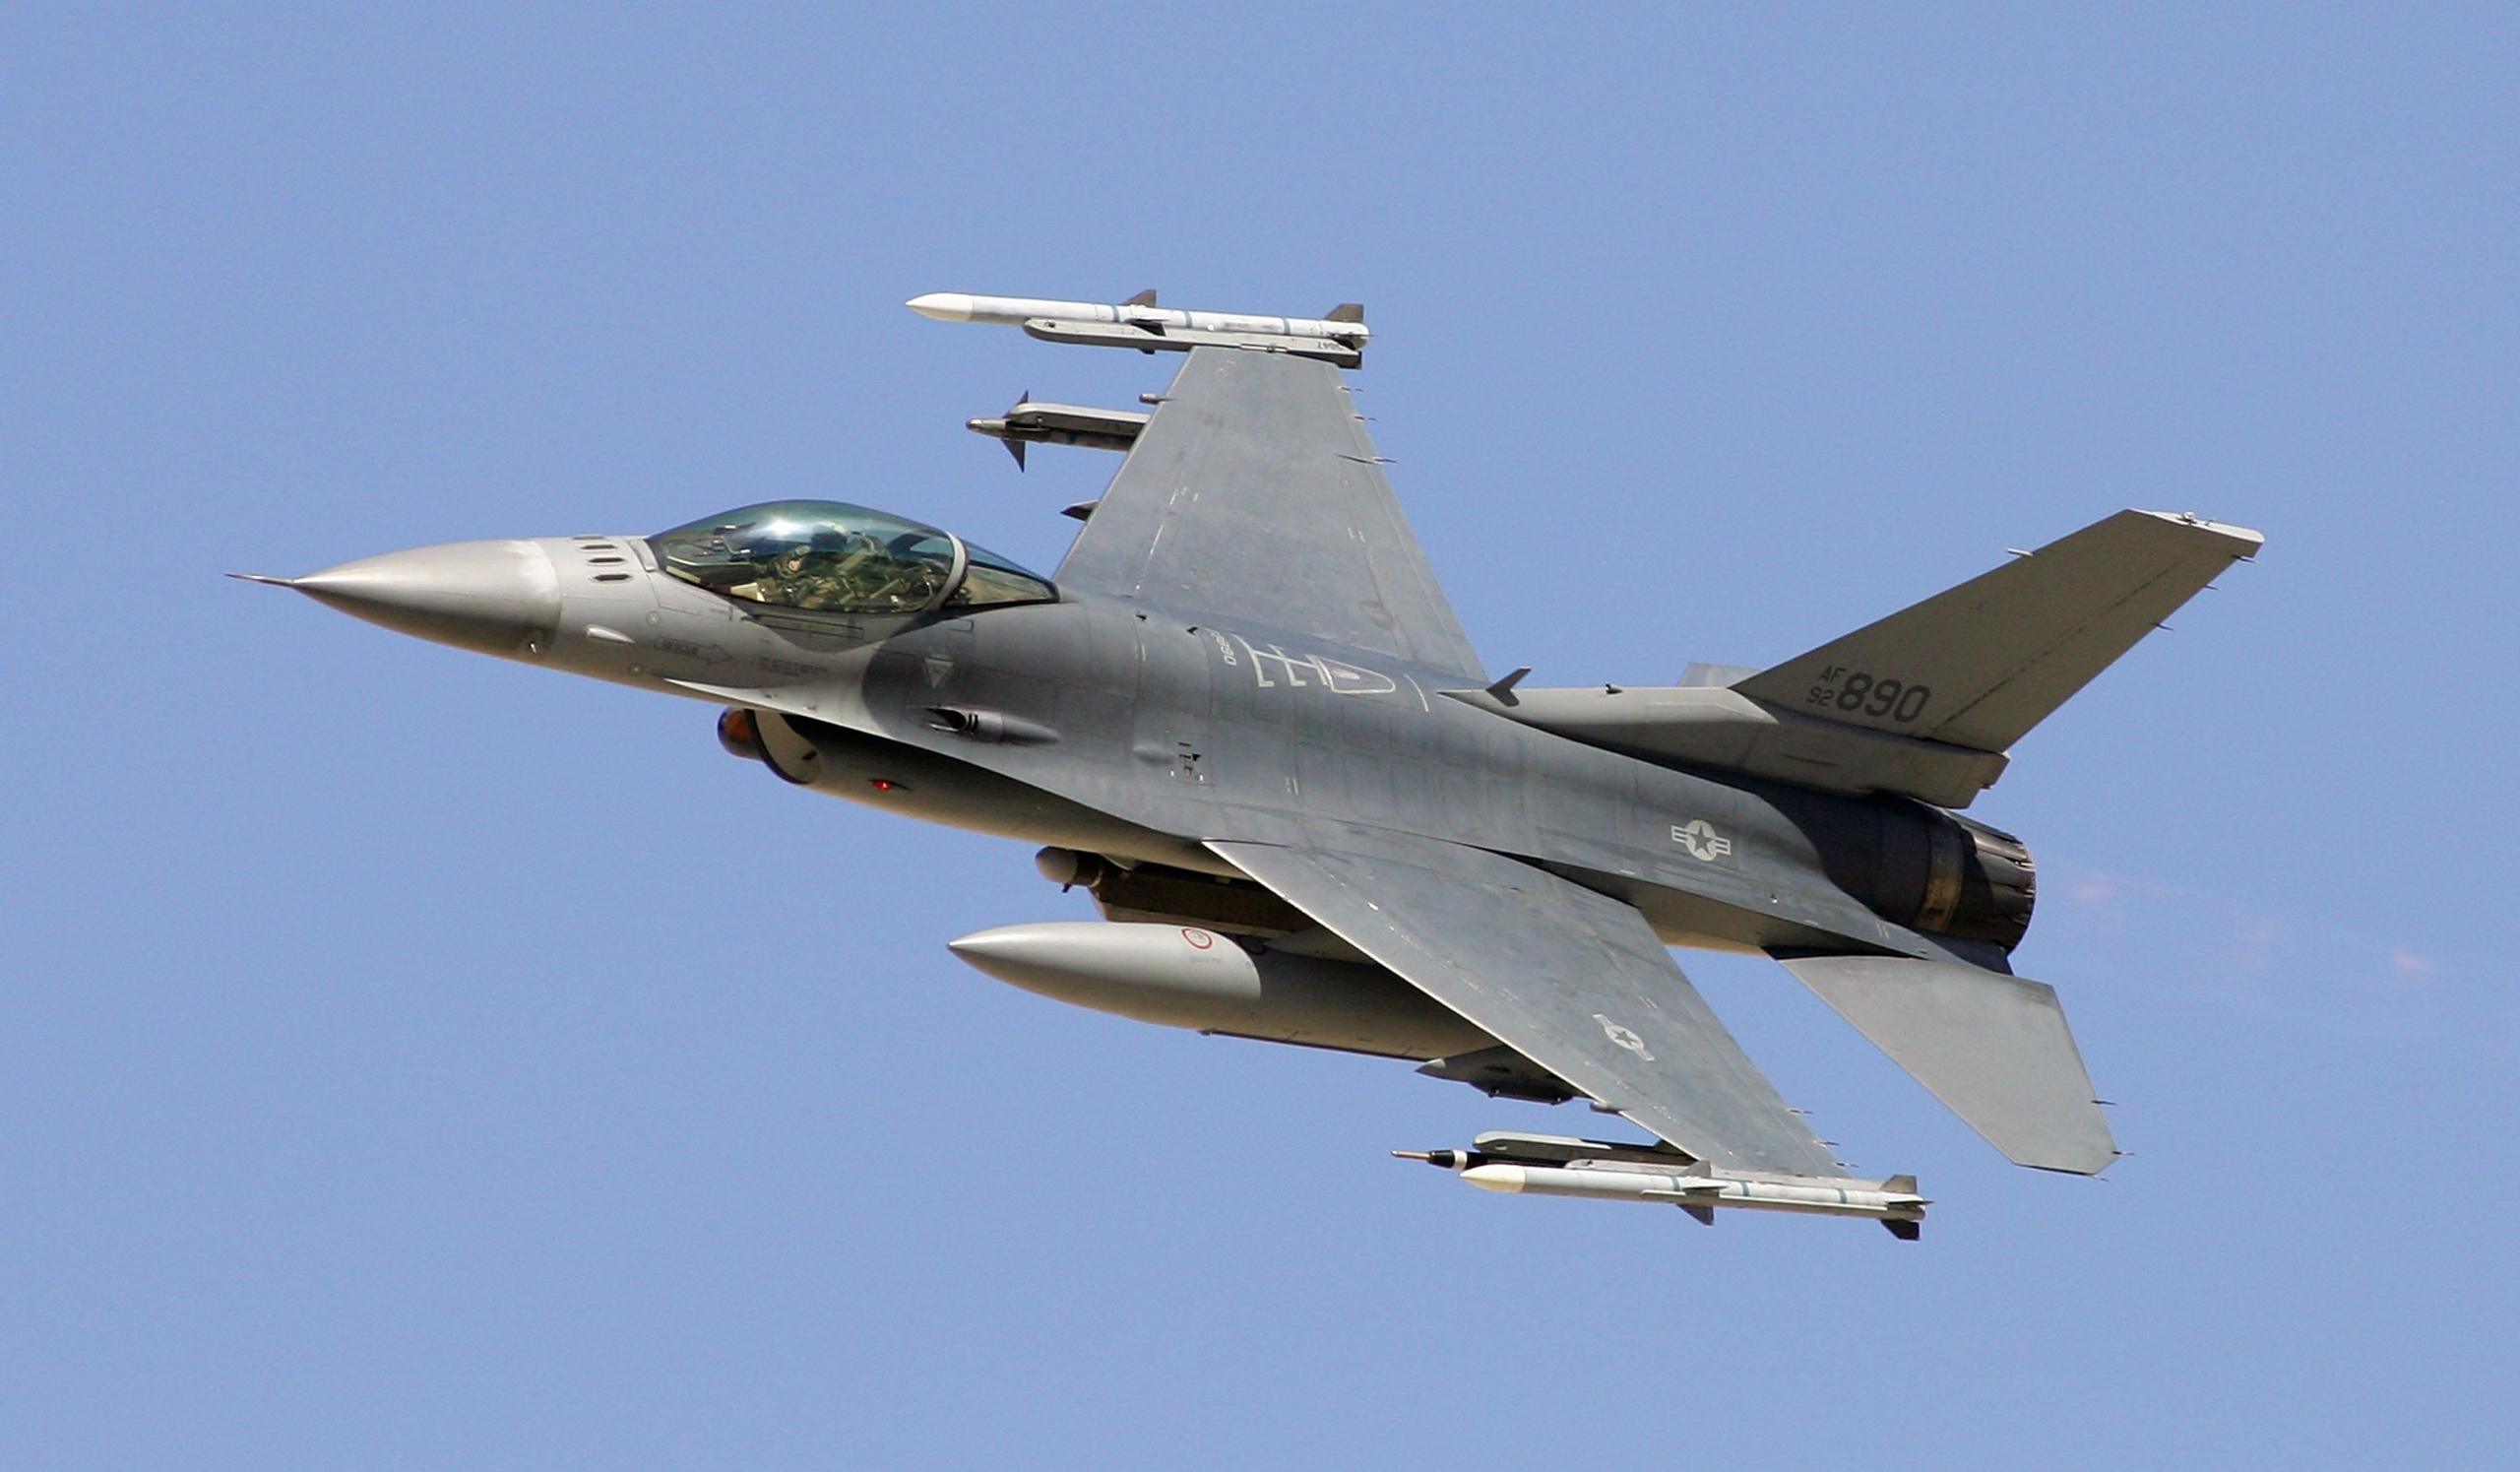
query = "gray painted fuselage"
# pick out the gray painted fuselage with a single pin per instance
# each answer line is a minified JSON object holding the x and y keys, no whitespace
{"x":1152,"y":732}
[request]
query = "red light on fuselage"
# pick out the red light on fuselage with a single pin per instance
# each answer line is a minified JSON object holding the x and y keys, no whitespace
{"x":739,"y":732}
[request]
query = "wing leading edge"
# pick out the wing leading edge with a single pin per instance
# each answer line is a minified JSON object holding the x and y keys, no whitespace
{"x":1254,"y":493}
{"x":1575,"y":980}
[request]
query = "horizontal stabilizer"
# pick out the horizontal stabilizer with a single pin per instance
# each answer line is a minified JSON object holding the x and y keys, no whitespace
{"x":1993,"y":1048}
{"x":1980,"y":665}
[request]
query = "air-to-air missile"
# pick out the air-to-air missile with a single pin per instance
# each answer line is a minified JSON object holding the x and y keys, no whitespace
{"x":1339,"y":338}
{"x":1554,"y":1166}
{"x":1034,"y":423}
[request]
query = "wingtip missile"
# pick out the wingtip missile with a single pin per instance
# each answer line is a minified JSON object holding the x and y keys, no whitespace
{"x":1138,"y":322}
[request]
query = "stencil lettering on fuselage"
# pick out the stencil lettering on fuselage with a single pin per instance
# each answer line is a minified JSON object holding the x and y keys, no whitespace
{"x":1273,"y":669}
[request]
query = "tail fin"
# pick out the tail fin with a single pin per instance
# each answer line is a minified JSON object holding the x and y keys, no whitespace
{"x":1980,"y":665}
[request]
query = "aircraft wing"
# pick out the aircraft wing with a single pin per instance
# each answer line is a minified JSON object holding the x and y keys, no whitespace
{"x":1253,"y":493}
{"x":1573,"y":980}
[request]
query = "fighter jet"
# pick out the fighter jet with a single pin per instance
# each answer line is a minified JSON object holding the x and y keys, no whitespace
{"x":1242,"y":716}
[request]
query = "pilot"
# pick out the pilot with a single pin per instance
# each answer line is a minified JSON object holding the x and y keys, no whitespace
{"x":901,"y":584}
{"x":815,"y":574}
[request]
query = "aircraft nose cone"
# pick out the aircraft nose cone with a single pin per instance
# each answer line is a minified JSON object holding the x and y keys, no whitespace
{"x":499,"y":598}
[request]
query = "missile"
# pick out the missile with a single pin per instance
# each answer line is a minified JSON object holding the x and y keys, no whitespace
{"x":1604,"y":1182}
{"x":1014,"y":311}
{"x":1617,"y":1173}
{"x":1029,"y":422}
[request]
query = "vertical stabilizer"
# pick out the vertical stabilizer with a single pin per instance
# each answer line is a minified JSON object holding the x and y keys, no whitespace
{"x":1980,"y":665}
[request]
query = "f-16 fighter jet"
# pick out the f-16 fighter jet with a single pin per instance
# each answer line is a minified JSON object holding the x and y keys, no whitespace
{"x":1243,"y":715}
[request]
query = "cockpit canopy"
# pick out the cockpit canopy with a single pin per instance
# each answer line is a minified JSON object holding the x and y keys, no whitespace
{"x":837,"y":558}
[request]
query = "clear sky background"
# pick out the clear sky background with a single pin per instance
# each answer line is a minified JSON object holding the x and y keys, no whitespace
{"x":414,"y":1059}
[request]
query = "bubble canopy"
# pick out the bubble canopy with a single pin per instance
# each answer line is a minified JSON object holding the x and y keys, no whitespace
{"x":836,"y":559}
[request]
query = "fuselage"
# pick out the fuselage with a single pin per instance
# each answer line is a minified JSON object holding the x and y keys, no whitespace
{"x":1141,"y":732}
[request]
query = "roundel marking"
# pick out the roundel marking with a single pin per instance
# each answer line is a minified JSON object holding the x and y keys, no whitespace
{"x":1701,"y":840}
{"x":1624,"y":1036}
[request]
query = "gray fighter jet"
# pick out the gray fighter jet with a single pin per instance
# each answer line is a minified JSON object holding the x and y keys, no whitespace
{"x":1243,"y":715}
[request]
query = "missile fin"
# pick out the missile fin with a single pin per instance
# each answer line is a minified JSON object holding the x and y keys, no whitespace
{"x":1346,"y":311}
{"x":1143,"y":299}
{"x":1015,"y":447}
{"x":1704,"y":1213}
{"x":1904,"y":1231}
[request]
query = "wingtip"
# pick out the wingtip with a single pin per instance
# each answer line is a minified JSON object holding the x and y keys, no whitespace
{"x":264,"y":577}
{"x":2247,"y":536}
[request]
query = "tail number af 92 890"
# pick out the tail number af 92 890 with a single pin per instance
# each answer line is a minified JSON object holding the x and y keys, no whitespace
{"x":1858,"y":691}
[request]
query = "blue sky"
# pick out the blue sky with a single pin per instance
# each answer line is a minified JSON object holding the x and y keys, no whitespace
{"x":410,"y":1058}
